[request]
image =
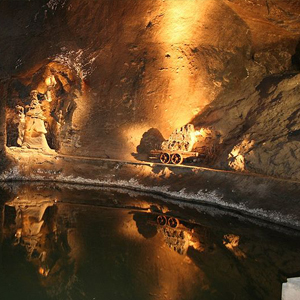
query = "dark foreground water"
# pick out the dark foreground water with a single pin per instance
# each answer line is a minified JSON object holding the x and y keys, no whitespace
{"x":66,"y":242}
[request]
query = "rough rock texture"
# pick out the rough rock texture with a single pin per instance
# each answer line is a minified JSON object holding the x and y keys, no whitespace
{"x":230,"y":65}
{"x":270,"y":199}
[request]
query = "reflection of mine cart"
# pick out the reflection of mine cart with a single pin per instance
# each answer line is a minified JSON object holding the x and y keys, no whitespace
{"x":176,"y":235}
{"x":163,"y":220}
{"x":178,"y":147}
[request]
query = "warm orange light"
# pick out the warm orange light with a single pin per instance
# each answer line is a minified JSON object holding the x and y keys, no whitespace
{"x":44,"y":272}
{"x":181,"y":16}
{"x":133,"y":134}
{"x":231,"y":242}
{"x":50,"y":81}
{"x":18,"y":233}
{"x":41,"y":271}
{"x":236,"y":158}
{"x":202,"y":132}
{"x":186,"y":85}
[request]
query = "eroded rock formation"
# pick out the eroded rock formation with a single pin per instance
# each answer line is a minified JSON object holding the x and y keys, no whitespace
{"x":124,"y":67}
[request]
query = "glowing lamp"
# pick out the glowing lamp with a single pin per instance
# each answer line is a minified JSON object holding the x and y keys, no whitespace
{"x":50,"y":81}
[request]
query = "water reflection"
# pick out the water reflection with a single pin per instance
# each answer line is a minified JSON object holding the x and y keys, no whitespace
{"x":35,"y":246}
{"x":59,"y":242}
{"x":175,"y":234}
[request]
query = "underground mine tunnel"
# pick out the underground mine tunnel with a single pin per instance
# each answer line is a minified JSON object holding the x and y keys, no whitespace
{"x":150,"y":149}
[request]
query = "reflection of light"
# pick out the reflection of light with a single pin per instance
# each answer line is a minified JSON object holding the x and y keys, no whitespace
{"x":195,"y":243}
{"x":231,"y":242}
{"x":128,"y":228}
{"x":44,"y":272}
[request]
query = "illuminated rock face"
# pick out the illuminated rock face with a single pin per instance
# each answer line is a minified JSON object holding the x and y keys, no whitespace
{"x":182,"y":139}
{"x":124,"y":67}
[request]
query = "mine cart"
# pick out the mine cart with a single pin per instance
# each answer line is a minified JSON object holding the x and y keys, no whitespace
{"x":187,"y":143}
{"x":178,"y":147}
{"x":174,"y":157}
{"x":175,"y":235}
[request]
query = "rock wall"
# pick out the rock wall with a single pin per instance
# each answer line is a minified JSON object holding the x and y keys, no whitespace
{"x":228,"y":65}
{"x":2,"y":121}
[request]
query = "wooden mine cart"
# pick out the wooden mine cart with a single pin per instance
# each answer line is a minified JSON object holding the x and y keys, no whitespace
{"x":184,"y":144}
{"x":173,"y":157}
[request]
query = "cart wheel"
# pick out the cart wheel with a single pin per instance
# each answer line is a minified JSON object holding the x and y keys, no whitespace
{"x":173,"y":222}
{"x":165,"y":158}
{"x":161,"y":220}
{"x":176,"y":159}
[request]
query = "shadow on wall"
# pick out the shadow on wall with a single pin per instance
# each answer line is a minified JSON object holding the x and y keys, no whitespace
{"x":151,"y":140}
